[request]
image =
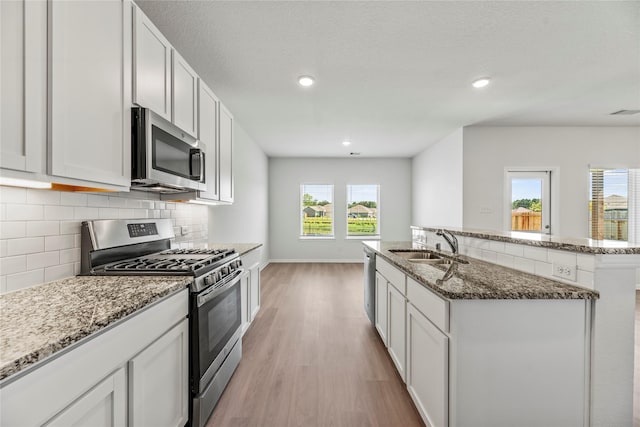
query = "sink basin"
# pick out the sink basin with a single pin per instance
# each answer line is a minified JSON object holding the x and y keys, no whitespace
{"x":424,"y":256}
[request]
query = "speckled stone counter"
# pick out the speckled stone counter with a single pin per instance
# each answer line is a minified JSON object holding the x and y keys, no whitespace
{"x":478,"y":279}
{"x":40,"y":321}
{"x":585,"y":246}
{"x":241,"y":248}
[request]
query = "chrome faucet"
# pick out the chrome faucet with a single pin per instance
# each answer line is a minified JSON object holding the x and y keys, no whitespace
{"x":450,"y":238}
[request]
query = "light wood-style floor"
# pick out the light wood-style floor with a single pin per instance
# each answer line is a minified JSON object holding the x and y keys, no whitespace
{"x":312,"y":358}
{"x":636,"y":376}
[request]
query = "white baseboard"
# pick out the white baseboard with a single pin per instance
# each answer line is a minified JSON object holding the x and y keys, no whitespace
{"x":335,"y":261}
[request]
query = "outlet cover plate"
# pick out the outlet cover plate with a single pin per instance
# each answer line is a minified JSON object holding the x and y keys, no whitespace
{"x":564,"y":271}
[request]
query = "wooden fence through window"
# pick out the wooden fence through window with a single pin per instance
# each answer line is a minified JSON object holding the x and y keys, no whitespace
{"x":526,"y":221}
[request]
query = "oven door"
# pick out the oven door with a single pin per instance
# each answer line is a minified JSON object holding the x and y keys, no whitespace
{"x":215,"y":328}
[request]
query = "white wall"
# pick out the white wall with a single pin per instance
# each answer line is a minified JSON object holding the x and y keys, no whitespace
{"x":246,"y":221}
{"x":285,"y":177}
{"x":437,"y":183}
{"x":489,"y":150}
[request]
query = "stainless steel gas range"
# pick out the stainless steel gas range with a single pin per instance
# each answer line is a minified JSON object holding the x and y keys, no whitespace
{"x":142,"y":247}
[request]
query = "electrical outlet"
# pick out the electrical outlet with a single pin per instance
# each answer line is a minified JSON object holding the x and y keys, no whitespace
{"x":567,"y":272}
{"x":486,"y":211}
{"x":184,"y":230}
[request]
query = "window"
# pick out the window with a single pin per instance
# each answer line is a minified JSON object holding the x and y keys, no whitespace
{"x":614,"y":204}
{"x":528,"y":196}
{"x":316,"y":210}
{"x":363,"y":210}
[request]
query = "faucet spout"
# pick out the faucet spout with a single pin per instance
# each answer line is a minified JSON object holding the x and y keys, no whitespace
{"x":450,"y":238}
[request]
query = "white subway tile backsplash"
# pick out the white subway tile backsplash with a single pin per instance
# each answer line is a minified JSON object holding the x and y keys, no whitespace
{"x":77,"y":240}
{"x":3,"y":284}
{"x":586,"y":262}
{"x":538,"y":254}
{"x":165,"y":214}
{"x":4,"y":251}
{"x":24,"y":280}
{"x":65,"y":241}
{"x":58,"y":212}
{"x":514,"y":249}
{"x":117,"y":202}
{"x":125,"y":213}
{"x":3,"y":212}
{"x":42,"y":197}
{"x":160,"y":205}
{"x":43,"y":228}
{"x":13,"y":195}
{"x":489,"y":256}
{"x":524,"y":264}
{"x":542,"y":268}
{"x":134,"y":203}
{"x":140,"y":213}
{"x":69,"y":255}
{"x":108,"y":213}
{"x":73,"y":199}
{"x":70,"y":227}
{"x":97,"y":201}
{"x":27,"y":245}
{"x":585,"y":278}
{"x":42,"y":259}
{"x":496,"y":246}
{"x":58,"y":272}
{"x":19,"y":212}
{"x":85,"y":213}
{"x":13,"y":264}
{"x":505,"y":260}
{"x":13,"y":229}
{"x":562,"y":257}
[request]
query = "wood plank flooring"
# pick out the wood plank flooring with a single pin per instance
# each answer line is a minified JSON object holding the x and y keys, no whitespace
{"x":312,"y":358}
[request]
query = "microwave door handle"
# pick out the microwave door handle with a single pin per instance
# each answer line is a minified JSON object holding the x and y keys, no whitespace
{"x":195,"y":164}
{"x":203,"y":168}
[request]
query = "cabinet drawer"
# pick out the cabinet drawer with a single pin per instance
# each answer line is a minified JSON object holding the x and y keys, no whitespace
{"x":392,"y":274}
{"x":432,"y":306}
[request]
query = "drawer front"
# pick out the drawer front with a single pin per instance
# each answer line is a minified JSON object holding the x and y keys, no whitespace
{"x":432,"y":306}
{"x":392,"y":274}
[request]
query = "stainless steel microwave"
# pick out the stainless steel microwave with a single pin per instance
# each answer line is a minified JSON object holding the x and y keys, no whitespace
{"x":164,"y":158}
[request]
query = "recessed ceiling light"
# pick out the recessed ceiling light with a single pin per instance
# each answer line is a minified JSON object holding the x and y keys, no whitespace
{"x":346,"y":143}
{"x":306,"y":81}
{"x":484,"y":81}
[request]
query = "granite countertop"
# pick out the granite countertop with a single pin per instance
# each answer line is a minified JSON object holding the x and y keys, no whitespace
{"x":478,"y":279}
{"x":40,"y":321}
{"x":586,"y":246}
{"x":241,"y":248}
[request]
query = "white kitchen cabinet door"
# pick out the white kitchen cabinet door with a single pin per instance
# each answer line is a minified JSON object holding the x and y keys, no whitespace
{"x":381,"y":307}
{"x":427,"y":368}
{"x":184,"y":95}
{"x":396,"y":333}
{"x":90,"y":90}
{"x":226,"y":155}
{"x":23,"y":84}
{"x":105,"y":405}
{"x":151,"y":66}
{"x":208,"y":104}
{"x":254,"y":294}
{"x":159,"y":381}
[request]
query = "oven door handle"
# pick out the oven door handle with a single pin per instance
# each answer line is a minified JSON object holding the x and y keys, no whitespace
{"x":208,"y":295}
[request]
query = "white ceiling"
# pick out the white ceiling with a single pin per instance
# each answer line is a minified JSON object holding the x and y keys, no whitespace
{"x":394,"y":76}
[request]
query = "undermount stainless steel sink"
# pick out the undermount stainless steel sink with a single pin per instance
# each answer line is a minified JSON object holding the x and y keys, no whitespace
{"x":424,"y":256}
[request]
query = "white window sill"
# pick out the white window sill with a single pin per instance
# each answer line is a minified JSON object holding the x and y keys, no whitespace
{"x":362,"y":237}
{"x":316,"y":238}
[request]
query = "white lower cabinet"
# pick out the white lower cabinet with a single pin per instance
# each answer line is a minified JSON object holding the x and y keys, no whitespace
{"x":159,"y":379}
{"x":427,"y":368}
{"x":245,"y":311}
{"x":132,"y":374}
{"x":254,"y":290}
{"x":381,"y":307}
{"x":105,"y":405}
{"x":250,"y":287}
{"x":396,"y":332}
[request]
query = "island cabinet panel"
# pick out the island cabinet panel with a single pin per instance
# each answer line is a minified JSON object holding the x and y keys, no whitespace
{"x":427,"y":368}
{"x":519,"y":362}
{"x":105,"y":405}
{"x":392,"y":274}
{"x":381,"y":307}
{"x":431,"y":305}
{"x":90,"y":90}
{"x":396,"y":332}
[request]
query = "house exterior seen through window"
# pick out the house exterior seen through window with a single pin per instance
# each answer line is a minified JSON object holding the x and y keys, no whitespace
{"x":363,"y":210}
{"x":316,"y":210}
{"x":614,"y":204}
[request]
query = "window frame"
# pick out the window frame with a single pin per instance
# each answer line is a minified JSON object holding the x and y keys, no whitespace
{"x":633,"y":201}
{"x":552,"y":192}
{"x":301,"y":234}
{"x":346,"y":215}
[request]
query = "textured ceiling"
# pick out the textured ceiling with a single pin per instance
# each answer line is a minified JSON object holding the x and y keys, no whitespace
{"x":394,"y":76}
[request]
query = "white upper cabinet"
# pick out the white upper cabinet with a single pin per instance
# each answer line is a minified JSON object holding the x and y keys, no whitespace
{"x":90,"y":90}
{"x":23,"y":80}
{"x":184,"y":95}
{"x":208,"y":105}
{"x":226,"y":155}
{"x":152,"y":66}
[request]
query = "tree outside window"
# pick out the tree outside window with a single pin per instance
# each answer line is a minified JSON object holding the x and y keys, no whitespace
{"x":316,"y":210}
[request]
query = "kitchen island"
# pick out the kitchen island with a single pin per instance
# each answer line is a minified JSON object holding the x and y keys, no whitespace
{"x":480,"y":344}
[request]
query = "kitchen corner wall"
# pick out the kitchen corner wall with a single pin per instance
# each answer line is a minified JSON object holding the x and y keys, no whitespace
{"x":40,"y":229}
